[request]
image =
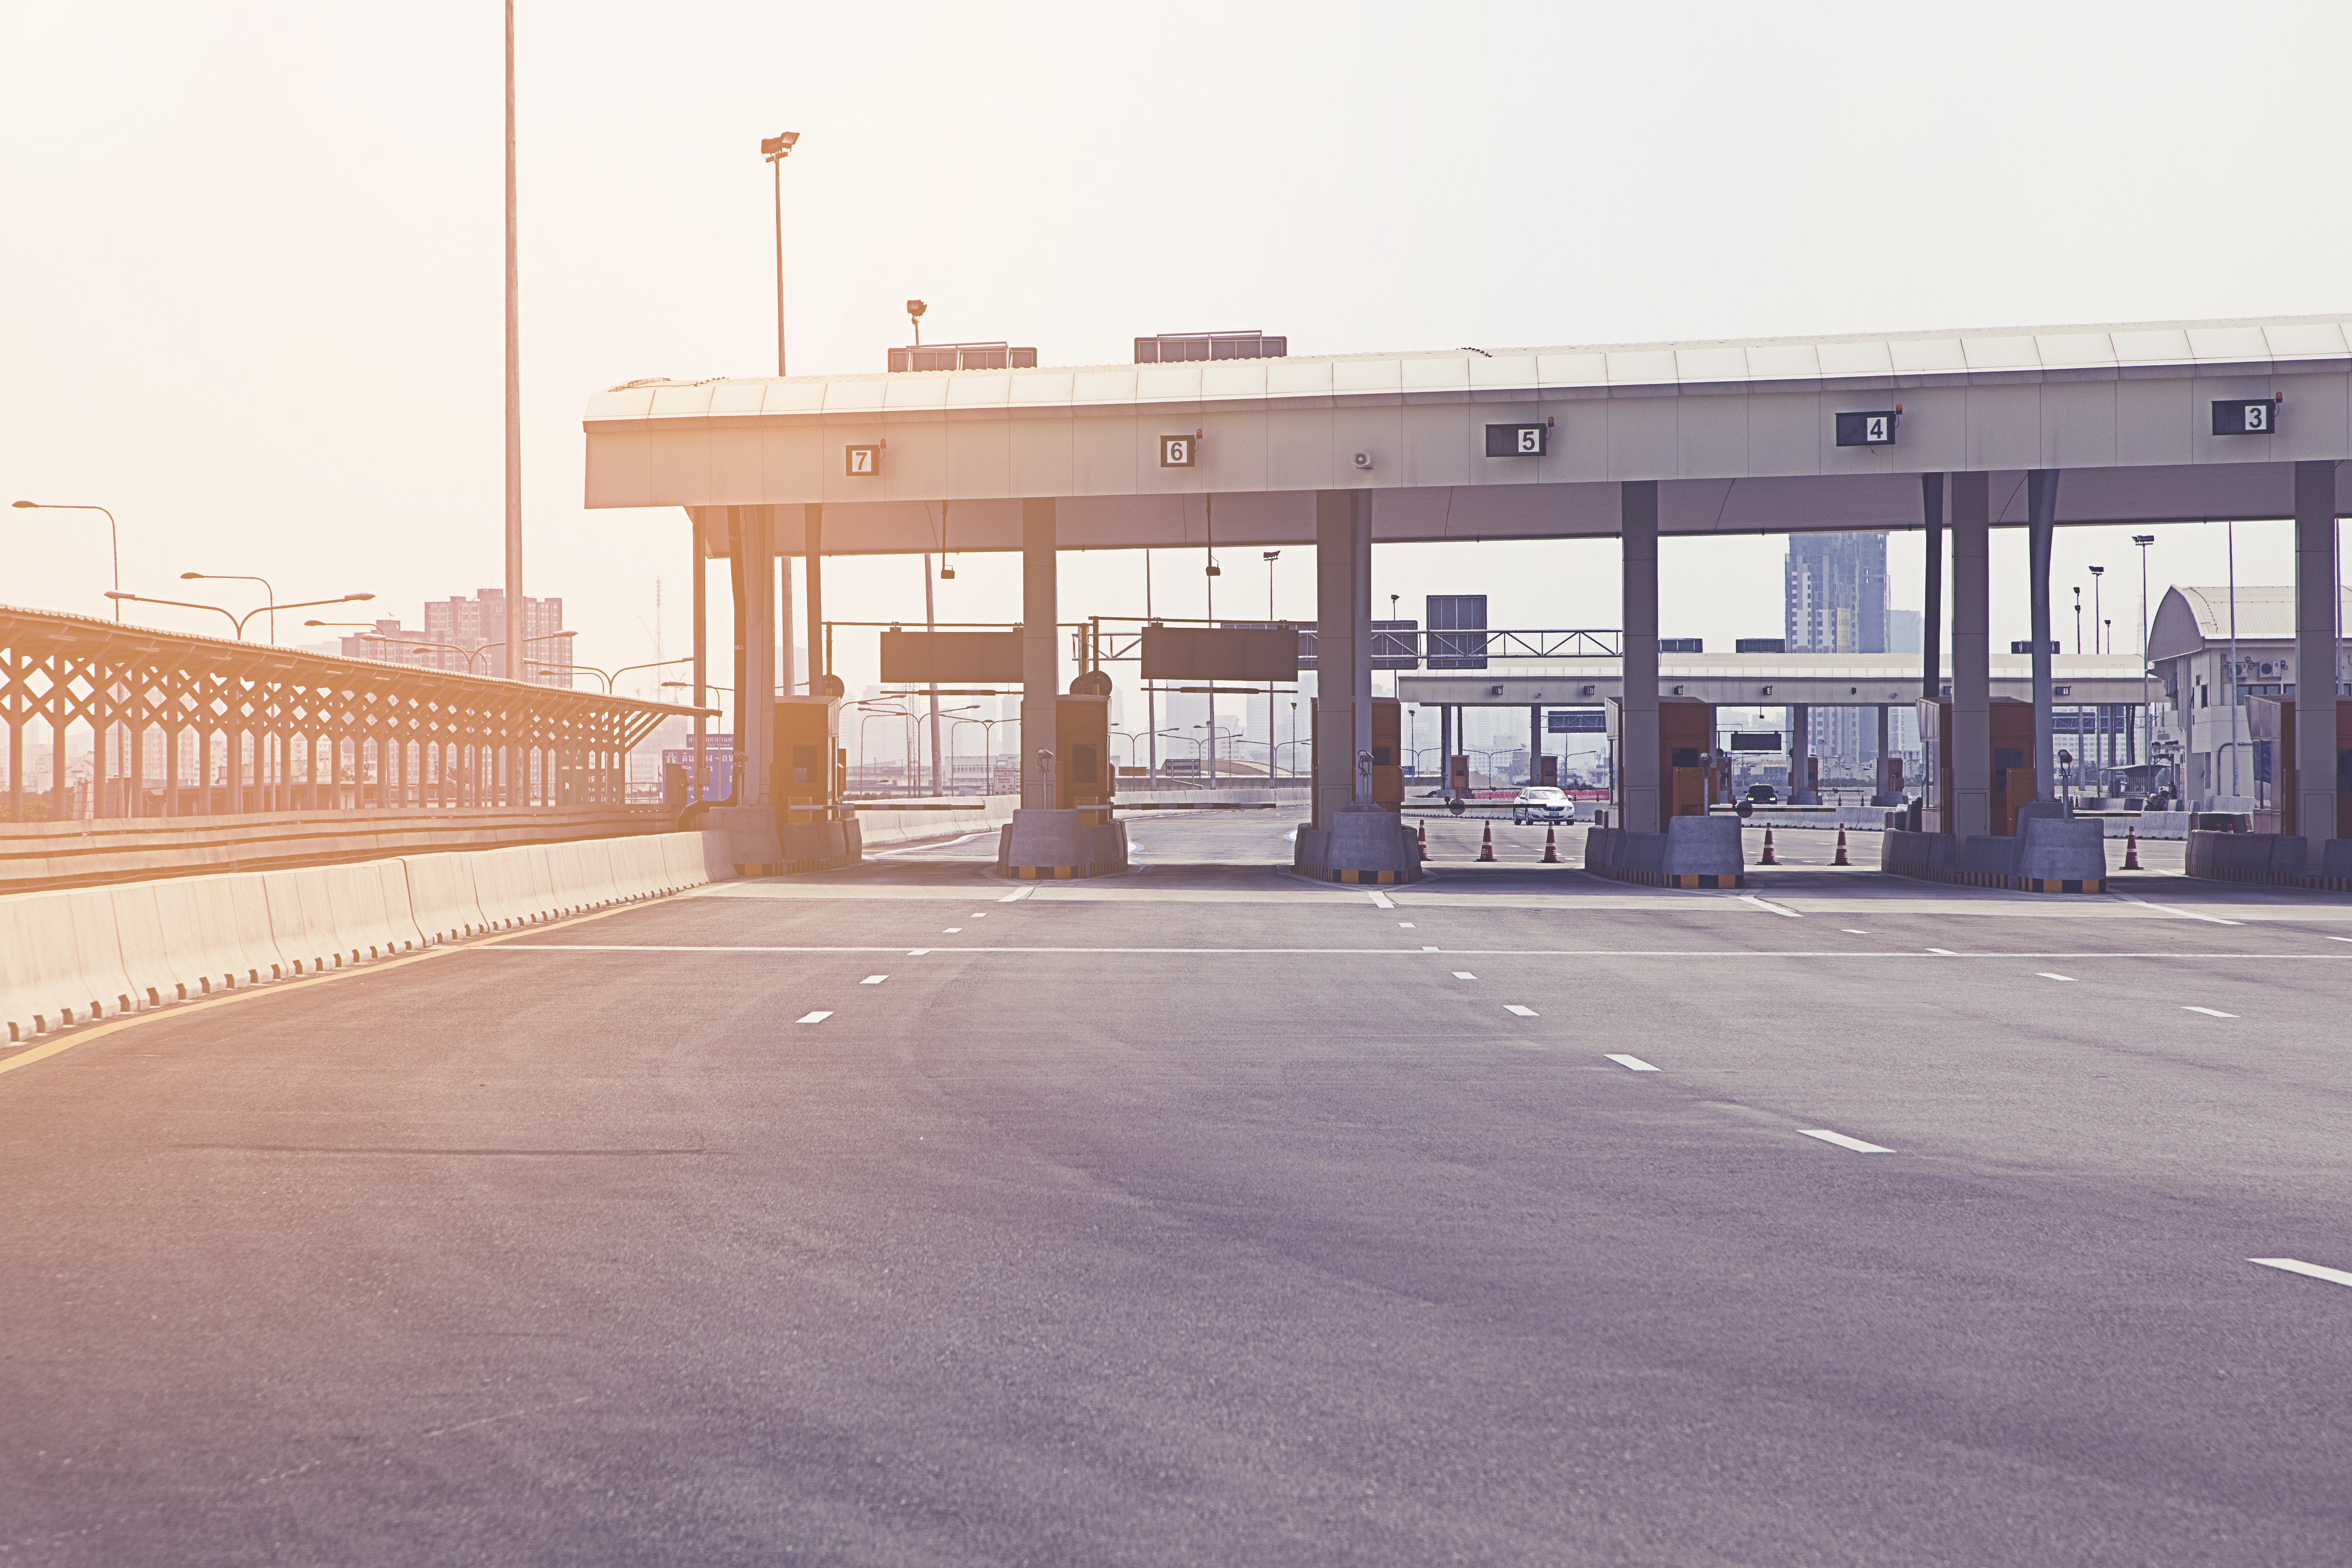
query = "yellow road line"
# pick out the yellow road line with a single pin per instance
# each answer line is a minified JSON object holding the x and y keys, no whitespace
{"x":31,"y":1054}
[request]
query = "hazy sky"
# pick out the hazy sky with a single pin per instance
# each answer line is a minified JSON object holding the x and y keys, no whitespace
{"x":253,"y":261}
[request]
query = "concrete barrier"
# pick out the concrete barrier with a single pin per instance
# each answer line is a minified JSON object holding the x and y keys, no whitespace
{"x":60,"y":961}
{"x":72,"y":955}
{"x":1692,"y":852}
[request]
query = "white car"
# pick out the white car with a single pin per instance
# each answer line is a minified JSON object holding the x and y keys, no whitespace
{"x":1543,"y":802}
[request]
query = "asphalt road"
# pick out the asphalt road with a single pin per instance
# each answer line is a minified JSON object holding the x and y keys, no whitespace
{"x":1206,"y":1215}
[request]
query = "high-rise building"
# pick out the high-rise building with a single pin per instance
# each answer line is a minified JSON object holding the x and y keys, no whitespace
{"x":479,"y":623}
{"x":1836,"y":603}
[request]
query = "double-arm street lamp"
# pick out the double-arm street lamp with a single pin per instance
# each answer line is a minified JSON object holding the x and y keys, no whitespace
{"x":235,"y":619}
{"x":113,"y":537}
{"x":608,"y":679}
{"x":469,"y":655}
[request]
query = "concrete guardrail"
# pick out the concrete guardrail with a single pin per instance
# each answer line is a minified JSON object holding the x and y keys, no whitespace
{"x":74,"y":954}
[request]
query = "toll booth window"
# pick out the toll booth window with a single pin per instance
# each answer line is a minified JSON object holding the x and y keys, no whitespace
{"x":1686,"y":756}
{"x":1082,"y":766}
{"x":2009,"y":757}
{"x":1383,"y":756}
{"x":806,"y":761}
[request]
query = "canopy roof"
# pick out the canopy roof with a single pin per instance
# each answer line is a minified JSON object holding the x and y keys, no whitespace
{"x":2190,"y":618}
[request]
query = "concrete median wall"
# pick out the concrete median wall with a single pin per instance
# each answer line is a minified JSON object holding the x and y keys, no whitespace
{"x":77,"y":954}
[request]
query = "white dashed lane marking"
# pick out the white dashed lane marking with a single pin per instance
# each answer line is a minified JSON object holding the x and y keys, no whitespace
{"x":874,"y":980}
{"x":1631,"y":1064}
{"x":2210,"y":1012}
{"x":951,"y":931}
{"x":1405,"y":925}
{"x":1522,"y":1012}
{"x":1843,"y":1142}
{"x":2310,"y":1271}
{"x":1850,"y":931}
{"x":813,"y":1018}
{"x":1463,"y":974}
{"x":2045,"y":974}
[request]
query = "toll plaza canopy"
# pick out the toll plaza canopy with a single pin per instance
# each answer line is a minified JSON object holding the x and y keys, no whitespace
{"x":1512,"y":443}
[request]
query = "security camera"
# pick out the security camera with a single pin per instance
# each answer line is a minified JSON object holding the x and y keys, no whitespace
{"x":1363,"y":459}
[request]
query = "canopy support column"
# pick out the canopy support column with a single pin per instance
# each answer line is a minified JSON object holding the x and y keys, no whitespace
{"x":1637,"y":749}
{"x":2317,"y":656}
{"x":1971,"y":759}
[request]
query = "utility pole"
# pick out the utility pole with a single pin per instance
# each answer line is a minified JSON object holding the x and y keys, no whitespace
{"x":515,"y":633}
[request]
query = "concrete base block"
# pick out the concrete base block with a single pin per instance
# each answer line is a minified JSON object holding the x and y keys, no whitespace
{"x":1692,"y":852}
{"x":1368,"y":843}
{"x":754,"y":847}
{"x":2062,"y":850}
{"x":822,"y":846}
{"x":2336,"y":861}
{"x":2271,"y":858}
{"x":1061,"y":844}
{"x":1931,"y":856}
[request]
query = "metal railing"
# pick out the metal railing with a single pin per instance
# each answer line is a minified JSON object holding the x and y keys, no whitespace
{"x":191,"y":726}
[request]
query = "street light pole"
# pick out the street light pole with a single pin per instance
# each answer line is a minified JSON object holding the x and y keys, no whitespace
{"x":2147,"y":719}
{"x":241,"y":578}
{"x":113,"y":534}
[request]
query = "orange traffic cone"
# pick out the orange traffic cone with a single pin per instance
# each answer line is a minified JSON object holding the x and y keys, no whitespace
{"x":1421,"y":840}
{"x":1767,"y":859}
{"x":1551,"y":847}
{"x":1487,"y":843}
{"x":1840,"y":859}
{"x":2131,"y":848}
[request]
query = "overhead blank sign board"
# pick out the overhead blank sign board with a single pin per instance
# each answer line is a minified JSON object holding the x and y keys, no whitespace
{"x":1220,"y":653}
{"x":952,"y":658}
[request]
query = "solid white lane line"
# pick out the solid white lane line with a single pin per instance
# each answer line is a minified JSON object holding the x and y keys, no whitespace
{"x":2170,"y":910}
{"x":1631,"y":1064}
{"x":2310,"y":1271}
{"x":1017,"y":898}
{"x":2340,"y":939}
{"x":813,"y":1018}
{"x":1382,"y":900}
{"x":1463,"y":974}
{"x":1678,"y":954}
{"x":2045,"y":974}
{"x":1945,"y":951}
{"x":917,"y":952}
{"x":1429,"y":949}
{"x":1775,"y":909}
{"x":1843,"y":1142}
{"x":1522,"y":1012}
{"x":874,"y":980}
{"x":2210,"y":1012}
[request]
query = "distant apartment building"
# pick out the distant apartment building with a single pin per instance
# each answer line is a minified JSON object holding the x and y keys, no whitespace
{"x":469,"y":636}
{"x":1835,"y":588}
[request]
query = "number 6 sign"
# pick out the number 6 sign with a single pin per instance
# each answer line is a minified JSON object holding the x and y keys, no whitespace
{"x":1176,"y":451}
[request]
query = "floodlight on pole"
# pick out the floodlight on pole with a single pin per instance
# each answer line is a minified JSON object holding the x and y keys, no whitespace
{"x":915,"y":309}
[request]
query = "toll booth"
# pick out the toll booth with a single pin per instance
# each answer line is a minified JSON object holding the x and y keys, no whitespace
{"x":809,"y":767}
{"x":2270,"y":720}
{"x":1387,"y":749}
{"x":1689,"y":780}
{"x":2012,"y":782}
{"x":1083,"y":774}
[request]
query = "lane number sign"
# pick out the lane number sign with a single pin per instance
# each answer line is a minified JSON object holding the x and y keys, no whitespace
{"x":1517,"y":440}
{"x":864,"y":461}
{"x":1176,"y":451}
{"x":1874,"y":427}
{"x":2244,"y":416}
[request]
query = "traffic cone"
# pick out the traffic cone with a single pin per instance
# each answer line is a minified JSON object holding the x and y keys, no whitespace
{"x":2131,"y":848}
{"x":1421,"y":840}
{"x":1551,"y":847}
{"x":1767,"y":859}
{"x":1840,"y":859}
{"x":1487,"y":843}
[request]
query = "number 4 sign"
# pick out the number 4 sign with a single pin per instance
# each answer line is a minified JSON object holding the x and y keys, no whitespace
{"x":1872,"y":427}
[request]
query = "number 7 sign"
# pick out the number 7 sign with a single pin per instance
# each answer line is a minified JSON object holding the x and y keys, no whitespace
{"x":864,"y":461}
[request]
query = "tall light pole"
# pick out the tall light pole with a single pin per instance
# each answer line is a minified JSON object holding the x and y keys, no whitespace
{"x":776,"y":149}
{"x":113,"y":534}
{"x":2147,"y":719}
{"x":514,"y":390}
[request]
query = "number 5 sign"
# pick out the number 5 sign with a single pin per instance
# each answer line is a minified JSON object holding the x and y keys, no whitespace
{"x":864,"y":461}
{"x":1176,"y":451}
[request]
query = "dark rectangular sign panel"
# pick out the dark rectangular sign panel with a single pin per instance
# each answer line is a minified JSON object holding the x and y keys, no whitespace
{"x":1221,"y":653}
{"x":952,"y":658}
{"x":1760,"y":740}
{"x":1576,"y":721}
{"x":2244,"y":416}
{"x":1873,"y":429}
